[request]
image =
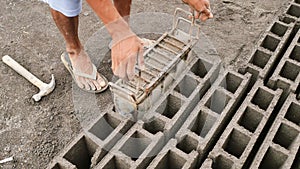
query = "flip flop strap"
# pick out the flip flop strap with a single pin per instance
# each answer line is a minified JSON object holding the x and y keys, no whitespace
{"x":93,"y":76}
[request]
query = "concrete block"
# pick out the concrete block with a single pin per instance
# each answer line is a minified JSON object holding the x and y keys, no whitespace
{"x":287,"y":74}
{"x":81,"y":153}
{"x":135,"y":149}
{"x":108,"y":128}
{"x":269,"y":48}
{"x":171,"y":110}
{"x":209,"y":118}
{"x":281,"y":145}
{"x":173,"y":156}
{"x":60,"y":163}
{"x":239,"y":137}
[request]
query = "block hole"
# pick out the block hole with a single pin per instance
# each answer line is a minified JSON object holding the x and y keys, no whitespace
{"x":231,"y":82}
{"x":260,"y":59}
{"x":186,"y":86}
{"x":81,"y":153}
{"x":296,"y":163}
{"x":262,"y":98}
{"x":218,"y":101}
{"x":279,"y":29}
{"x":57,"y":166}
{"x":171,"y":160}
{"x":285,"y":136}
{"x":202,"y":124}
{"x":250,"y":119}
{"x":236,"y":143}
{"x":287,"y":20}
{"x":201,"y":68}
{"x":222,"y":162}
{"x":135,"y":145}
{"x":105,"y":126}
{"x":273,"y":159}
{"x":295,"y":54}
{"x":270,"y":43}
{"x":116,"y":163}
{"x":290,"y":71}
{"x":170,"y":106}
{"x":293,"y":113}
{"x":154,"y":126}
{"x":187,"y":144}
{"x":297,"y":1}
{"x":294,"y":11}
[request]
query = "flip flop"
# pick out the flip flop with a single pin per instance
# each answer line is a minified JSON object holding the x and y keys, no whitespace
{"x":67,"y":62}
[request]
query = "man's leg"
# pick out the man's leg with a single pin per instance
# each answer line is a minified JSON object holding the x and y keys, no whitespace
{"x":123,"y":7}
{"x":68,"y":26}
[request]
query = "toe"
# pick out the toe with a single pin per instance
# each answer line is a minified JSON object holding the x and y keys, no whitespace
{"x":79,"y":83}
{"x":86,"y":84}
{"x":101,"y":81}
{"x":91,"y":84}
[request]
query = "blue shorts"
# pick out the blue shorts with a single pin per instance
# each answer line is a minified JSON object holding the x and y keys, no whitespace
{"x":69,"y":8}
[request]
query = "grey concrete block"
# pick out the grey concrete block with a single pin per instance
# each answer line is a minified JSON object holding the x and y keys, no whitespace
{"x":287,"y":74}
{"x":281,"y":145}
{"x":269,"y":48}
{"x":211,"y":114}
{"x":174,"y":156}
{"x":108,"y":128}
{"x":241,"y":134}
{"x":135,"y":149}
{"x":60,"y":163}
{"x":171,"y":110}
{"x":80,"y":154}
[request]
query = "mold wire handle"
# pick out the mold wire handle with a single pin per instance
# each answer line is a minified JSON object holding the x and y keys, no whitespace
{"x":192,"y":22}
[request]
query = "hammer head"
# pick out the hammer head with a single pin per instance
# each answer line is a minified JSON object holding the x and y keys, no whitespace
{"x":45,"y":89}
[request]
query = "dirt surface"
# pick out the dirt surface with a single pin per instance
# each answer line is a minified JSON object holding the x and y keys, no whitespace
{"x":35,"y":132}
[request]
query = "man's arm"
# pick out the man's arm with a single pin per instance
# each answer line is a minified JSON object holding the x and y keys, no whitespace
{"x":126,"y":45}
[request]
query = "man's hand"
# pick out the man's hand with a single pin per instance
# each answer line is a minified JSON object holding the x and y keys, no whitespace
{"x":124,"y":55}
{"x":201,"y":9}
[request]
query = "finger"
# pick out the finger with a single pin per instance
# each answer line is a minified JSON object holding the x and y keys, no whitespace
{"x":206,"y":12}
{"x":203,"y":17}
{"x":197,"y":14}
{"x":141,"y":61}
{"x":130,"y":66}
{"x":120,"y":70}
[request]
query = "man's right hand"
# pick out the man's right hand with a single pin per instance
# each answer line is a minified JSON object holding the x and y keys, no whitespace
{"x":125,"y":53}
{"x":201,"y":9}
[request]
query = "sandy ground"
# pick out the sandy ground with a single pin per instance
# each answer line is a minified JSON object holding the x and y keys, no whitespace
{"x":35,"y":132}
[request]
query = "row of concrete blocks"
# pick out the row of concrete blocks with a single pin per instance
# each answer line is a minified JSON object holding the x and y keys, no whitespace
{"x":281,"y":146}
{"x":279,"y":44}
{"x":287,"y":74}
{"x":118,"y":136}
{"x":272,"y":45}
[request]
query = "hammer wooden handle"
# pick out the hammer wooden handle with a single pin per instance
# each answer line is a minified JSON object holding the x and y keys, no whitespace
{"x":22,"y":71}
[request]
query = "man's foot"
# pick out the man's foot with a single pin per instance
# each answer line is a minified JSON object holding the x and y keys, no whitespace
{"x":84,"y":73}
